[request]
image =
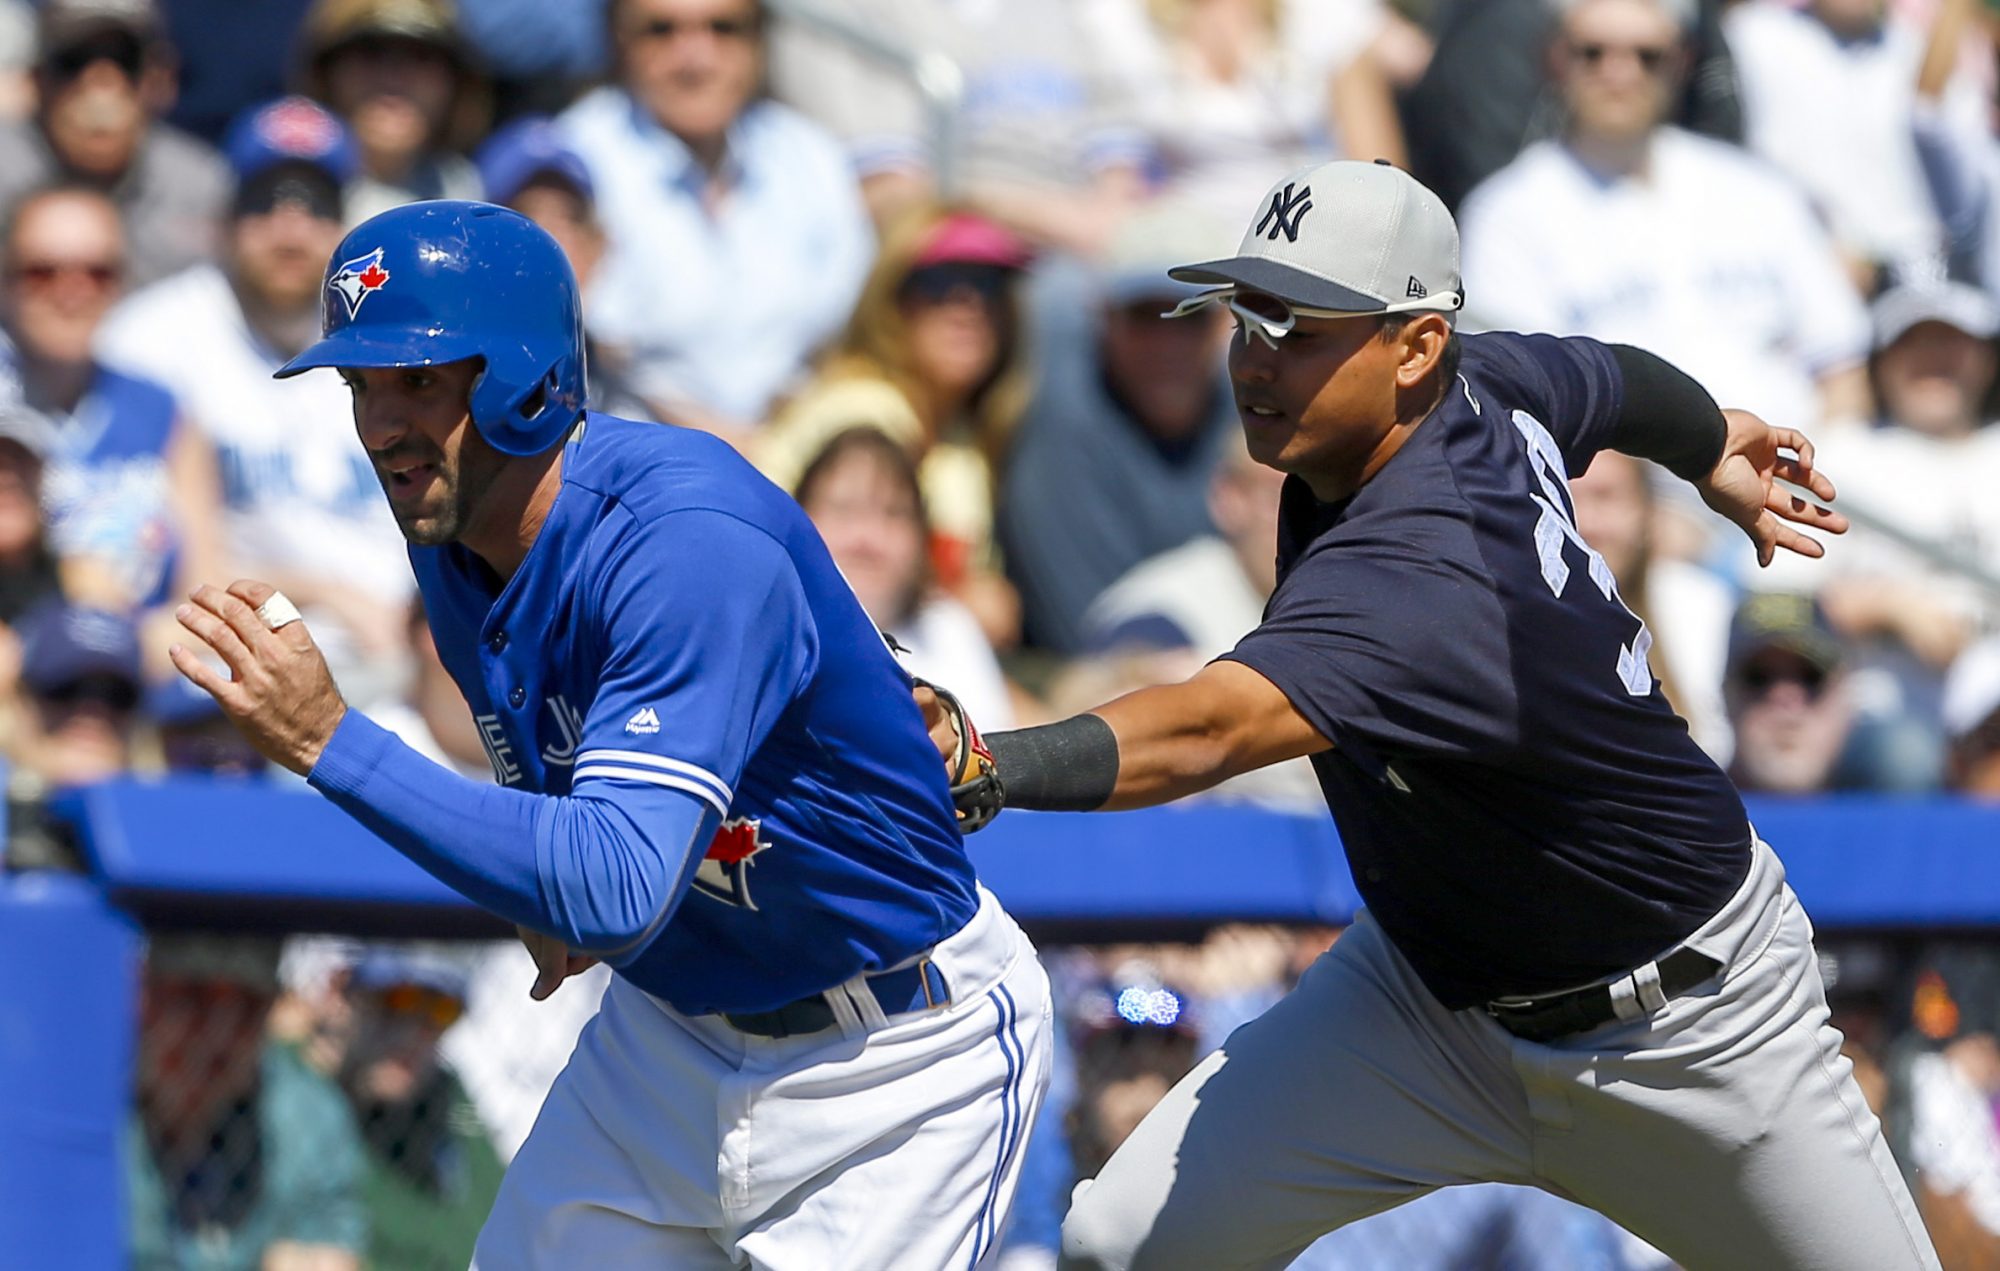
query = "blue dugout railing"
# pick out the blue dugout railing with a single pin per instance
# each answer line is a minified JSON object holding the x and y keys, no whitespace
{"x":224,"y":854}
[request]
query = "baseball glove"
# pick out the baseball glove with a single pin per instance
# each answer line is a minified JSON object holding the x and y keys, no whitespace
{"x":975,"y":783}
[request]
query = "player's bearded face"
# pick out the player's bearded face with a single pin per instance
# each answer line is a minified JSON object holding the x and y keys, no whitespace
{"x":432,"y":463}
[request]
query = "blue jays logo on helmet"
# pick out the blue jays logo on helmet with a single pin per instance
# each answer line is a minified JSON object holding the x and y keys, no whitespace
{"x":471,"y":281}
{"x":356,"y":280}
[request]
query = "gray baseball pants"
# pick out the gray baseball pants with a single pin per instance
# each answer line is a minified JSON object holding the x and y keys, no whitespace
{"x":1726,"y":1129}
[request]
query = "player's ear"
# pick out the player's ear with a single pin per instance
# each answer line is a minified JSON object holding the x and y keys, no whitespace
{"x":1420,"y":344}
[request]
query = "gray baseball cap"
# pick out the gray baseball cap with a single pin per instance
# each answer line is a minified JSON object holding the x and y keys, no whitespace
{"x":1346,"y":237}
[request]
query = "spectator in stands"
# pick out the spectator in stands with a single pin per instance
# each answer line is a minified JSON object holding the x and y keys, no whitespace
{"x":1130,"y":417}
{"x":862,"y":493}
{"x":1686,"y":608}
{"x":1787,"y":701}
{"x":301,"y":504}
{"x":1633,"y":231}
{"x":431,"y":1171}
{"x":738,"y":241}
{"x":1174,"y":611}
{"x":80,"y":680}
{"x":1972,"y":721}
{"x":1946,"y":1079}
{"x":129,"y":492}
{"x":1927,"y":469}
{"x":229,"y":56}
{"x":529,"y":166}
{"x":397,"y":73}
{"x":1484,"y":93}
{"x":27,"y":565}
{"x":17,"y":60}
{"x":1829,"y":93}
{"x":240,"y":1156}
{"x":934,"y":358}
{"x":1045,"y":143}
{"x":540,"y":52}
{"x":101,"y":70}
{"x":1233,"y":94}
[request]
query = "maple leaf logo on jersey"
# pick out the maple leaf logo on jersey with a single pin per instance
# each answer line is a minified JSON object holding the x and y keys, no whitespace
{"x":358,"y":279}
{"x":724,"y":872}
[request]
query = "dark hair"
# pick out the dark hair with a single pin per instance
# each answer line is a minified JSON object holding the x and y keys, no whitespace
{"x":892,"y":458}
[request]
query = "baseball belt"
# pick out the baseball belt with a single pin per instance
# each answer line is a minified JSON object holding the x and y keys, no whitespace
{"x":919,"y":987}
{"x":1631,"y":996}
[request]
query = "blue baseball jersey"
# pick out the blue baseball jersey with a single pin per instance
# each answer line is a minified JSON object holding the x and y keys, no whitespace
{"x":728,"y":788}
{"x":1521,"y":808}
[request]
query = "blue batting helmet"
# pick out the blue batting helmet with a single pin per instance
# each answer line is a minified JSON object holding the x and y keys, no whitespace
{"x":443,"y":281}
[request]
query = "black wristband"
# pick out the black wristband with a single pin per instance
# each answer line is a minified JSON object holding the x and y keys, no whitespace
{"x":1666,"y":417}
{"x":1067,"y":767}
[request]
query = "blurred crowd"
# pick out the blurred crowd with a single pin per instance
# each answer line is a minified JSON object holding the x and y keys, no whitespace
{"x":958,"y":361}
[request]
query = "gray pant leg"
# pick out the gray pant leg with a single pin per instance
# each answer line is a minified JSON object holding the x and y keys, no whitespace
{"x":1729,"y":1131}
{"x":1355,"y":1093}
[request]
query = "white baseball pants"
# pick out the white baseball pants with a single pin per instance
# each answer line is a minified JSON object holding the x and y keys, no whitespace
{"x":674,"y":1141}
{"x":1726,"y":1129}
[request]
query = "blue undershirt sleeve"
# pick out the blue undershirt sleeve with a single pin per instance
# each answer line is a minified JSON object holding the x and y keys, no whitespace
{"x":597,"y":870}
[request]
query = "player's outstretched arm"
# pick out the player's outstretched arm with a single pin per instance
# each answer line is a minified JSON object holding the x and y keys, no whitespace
{"x":1154,"y":745}
{"x":1743,"y":486}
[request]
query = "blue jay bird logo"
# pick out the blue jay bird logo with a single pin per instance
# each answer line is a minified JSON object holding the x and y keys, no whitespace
{"x":358,"y":279}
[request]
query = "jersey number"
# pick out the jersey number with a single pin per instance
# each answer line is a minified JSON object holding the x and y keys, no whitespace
{"x":1558,"y":526}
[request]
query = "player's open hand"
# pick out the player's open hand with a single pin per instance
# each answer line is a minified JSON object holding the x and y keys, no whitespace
{"x":278,"y":692}
{"x":1744,"y":487}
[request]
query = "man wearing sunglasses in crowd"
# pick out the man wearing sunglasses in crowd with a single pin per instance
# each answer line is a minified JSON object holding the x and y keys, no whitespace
{"x":1787,"y":697}
{"x":1578,"y":966}
{"x":1628,"y":229}
{"x":432,"y":1170}
{"x":102,"y":71}
{"x":737,"y":240}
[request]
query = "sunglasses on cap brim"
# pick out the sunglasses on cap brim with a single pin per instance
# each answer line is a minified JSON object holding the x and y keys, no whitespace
{"x":1271,"y":318}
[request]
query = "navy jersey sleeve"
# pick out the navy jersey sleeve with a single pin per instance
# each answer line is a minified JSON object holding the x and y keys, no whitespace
{"x":695,"y":675}
{"x":1572,"y":382}
{"x":1389,"y":652}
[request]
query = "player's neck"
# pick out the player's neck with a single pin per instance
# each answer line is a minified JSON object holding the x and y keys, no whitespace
{"x":509,"y":519}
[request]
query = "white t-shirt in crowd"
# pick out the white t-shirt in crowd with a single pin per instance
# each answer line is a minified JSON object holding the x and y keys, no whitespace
{"x":299,"y":495}
{"x":1221,"y":145}
{"x":1940,"y":490}
{"x":1710,"y":260}
{"x":1836,"y":116}
{"x":1953,"y":1142}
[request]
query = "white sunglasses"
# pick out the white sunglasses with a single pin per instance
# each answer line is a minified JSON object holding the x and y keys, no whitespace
{"x":1271,"y":329}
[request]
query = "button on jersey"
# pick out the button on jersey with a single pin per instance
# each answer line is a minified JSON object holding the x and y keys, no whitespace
{"x":1521,"y":808}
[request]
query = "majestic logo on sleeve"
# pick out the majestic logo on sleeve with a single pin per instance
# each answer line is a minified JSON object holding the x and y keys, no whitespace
{"x":358,"y":279}
{"x":1286,"y":211}
{"x":645,"y":721}
{"x":724,"y":872}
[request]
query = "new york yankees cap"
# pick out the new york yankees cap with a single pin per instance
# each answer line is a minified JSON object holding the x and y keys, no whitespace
{"x":1348,"y":237}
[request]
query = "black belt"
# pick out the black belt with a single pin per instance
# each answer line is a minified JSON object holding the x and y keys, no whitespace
{"x":920,"y":987}
{"x":1543,"y":1019}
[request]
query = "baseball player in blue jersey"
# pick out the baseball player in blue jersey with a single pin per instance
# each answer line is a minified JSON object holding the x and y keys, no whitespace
{"x":824,"y":1041}
{"x":1578,"y":966}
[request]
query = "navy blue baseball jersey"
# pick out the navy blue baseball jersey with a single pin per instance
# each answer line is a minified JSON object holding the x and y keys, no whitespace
{"x":711,"y":768}
{"x":1521,"y":807}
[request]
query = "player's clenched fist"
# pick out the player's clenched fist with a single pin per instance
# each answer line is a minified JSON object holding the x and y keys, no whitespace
{"x":278,"y":692}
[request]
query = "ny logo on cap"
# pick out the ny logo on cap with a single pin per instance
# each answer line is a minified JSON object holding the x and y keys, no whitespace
{"x":1286,"y":211}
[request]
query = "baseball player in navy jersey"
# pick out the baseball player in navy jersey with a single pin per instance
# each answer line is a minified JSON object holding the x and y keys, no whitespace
{"x":824,"y":1041}
{"x":1578,"y":966}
